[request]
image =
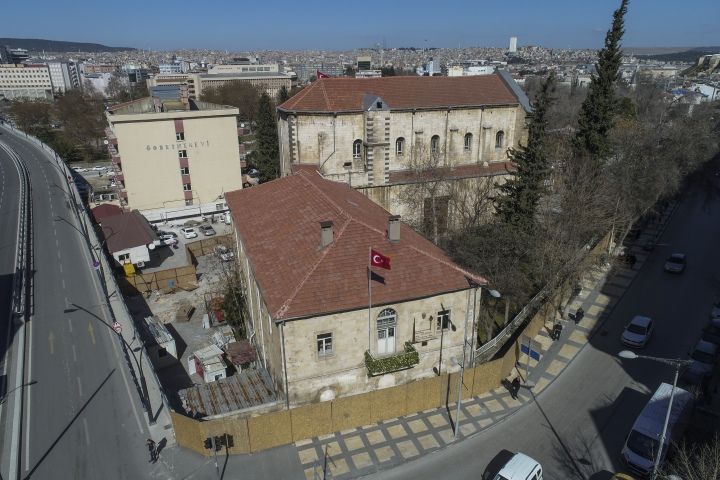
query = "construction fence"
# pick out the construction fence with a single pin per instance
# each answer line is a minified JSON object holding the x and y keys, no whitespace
{"x":260,"y":432}
{"x":184,"y":278}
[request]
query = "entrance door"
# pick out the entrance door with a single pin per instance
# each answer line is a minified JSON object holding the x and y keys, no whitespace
{"x":386,"y":323}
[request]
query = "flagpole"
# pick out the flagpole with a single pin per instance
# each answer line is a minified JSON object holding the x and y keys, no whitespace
{"x":369,"y":272}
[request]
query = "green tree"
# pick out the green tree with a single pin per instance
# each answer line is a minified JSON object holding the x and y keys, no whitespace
{"x":388,"y":71}
{"x":350,"y":71}
{"x":283,"y":95}
{"x":266,"y":157}
{"x":519,"y":196}
{"x":31,"y":115}
{"x":600,"y":106}
{"x":242,"y":95}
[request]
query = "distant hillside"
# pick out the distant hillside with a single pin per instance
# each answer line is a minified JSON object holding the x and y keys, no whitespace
{"x":39,"y":45}
{"x":690,"y":55}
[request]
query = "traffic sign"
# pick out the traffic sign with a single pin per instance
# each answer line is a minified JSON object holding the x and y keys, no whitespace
{"x":117,"y":327}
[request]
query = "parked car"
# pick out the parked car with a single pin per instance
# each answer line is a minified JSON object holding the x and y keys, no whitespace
{"x":99,"y":168}
{"x":637,"y":333}
{"x":224,"y":253}
{"x":711,"y":332}
{"x":163,"y":232}
{"x":676,"y":263}
{"x":80,"y":169}
{"x":207,"y":230}
{"x":703,"y":357}
{"x":520,"y":467}
{"x":715,"y":311}
{"x":189,"y":232}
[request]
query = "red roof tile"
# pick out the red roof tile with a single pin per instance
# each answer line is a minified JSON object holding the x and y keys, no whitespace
{"x":346,"y":94}
{"x":451,"y":173}
{"x":297,"y":278}
{"x":127,"y":230}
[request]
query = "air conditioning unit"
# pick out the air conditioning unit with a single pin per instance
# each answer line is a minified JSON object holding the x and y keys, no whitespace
{"x":140,"y":264}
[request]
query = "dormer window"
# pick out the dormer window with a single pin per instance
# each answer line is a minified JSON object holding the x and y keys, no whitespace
{"x":378,"y":105}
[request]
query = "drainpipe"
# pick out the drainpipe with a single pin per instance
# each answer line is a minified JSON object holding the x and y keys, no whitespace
{"x":447,"y":133}
{"x":282,"y":351}
{"x":333,"y":150}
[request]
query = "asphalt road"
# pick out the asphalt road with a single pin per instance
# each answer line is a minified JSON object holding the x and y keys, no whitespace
{"x":577,"y":426}
{"x":82,"y":416}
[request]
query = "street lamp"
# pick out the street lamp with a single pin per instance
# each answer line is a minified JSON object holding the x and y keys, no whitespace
{"x":460,"y":385}
{"x":677,"y":363}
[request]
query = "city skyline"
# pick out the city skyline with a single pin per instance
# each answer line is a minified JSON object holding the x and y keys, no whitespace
{"x":326,"y":26}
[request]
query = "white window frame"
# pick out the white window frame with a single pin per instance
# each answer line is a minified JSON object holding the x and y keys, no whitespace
{"x":187,"y":187}
{"x":184,"y":170}
{"x":324,"y":344}
{"x":179,"y":136}
{"x":400,"y":146}
{"x":182,"y":154}
{"x":357,"y":149}
{"x":467,"y":145}
{"x":439,"y":320}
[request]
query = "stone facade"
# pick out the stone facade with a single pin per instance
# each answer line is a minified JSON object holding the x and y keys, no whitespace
{"x":289,"y":350}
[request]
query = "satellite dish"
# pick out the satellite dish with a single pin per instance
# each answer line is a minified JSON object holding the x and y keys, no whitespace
{"x":105,"y":141}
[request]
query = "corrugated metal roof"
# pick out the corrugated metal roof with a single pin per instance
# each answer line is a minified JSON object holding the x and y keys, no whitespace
{"x":249,"y":388}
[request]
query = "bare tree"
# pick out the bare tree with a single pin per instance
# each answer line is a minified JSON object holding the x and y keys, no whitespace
{"x":696,"y":462}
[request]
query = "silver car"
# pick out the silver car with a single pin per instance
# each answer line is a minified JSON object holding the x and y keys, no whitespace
{"x":703,"y":357}
{"x":637,"y":333}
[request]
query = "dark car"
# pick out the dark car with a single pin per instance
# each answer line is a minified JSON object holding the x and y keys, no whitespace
{"x":676,"y":263}
{"x":711,"y":333}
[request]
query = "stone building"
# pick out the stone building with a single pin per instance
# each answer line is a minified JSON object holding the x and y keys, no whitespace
{"x":174,"y":158}
{"x":378,"y":134}
{"x":320,"y":327}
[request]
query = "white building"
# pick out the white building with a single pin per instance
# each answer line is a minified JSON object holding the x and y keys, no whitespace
{"x":170,"y":68}
{"x":243,"y":68}
{"x":25,"y":81}
{"x":513,"y":45}
{"x":64,"y":76}
{"x":129,"y":238}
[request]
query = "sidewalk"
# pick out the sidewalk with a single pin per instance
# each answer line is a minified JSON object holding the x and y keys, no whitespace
{"x":372,"y":448}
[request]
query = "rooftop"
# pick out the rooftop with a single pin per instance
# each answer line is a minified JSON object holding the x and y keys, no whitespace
{"x":127,"y":230}
{"x":158,"y":105}
{"x":403,"y":93}
{"x":298,"y":279}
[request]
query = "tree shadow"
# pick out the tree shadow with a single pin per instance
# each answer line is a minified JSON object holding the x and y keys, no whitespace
{"x":67,"y":427}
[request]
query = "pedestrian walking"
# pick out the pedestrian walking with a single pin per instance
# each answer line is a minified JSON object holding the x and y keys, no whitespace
{"x":152,"y":448}
{"x":515,"y":387}
{"x":579,"y":314}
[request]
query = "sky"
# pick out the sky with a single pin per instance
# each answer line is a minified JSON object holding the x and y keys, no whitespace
{"x":247,"y":25}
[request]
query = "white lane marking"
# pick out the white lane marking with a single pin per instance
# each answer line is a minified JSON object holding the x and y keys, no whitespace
{"x":70,"y":325}
{"x":74,"y":354}
{"x":60,"y":265}
{"x":79,"y":386}
{"x":87,"y":431}
{"x":63,"y":284}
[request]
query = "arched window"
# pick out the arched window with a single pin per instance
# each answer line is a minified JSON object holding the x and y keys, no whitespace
{"x":386,"y":324}
{"x":400,"y":146}
{"x":499,"y":139}
{"x":468,"y":141}
{"x":357,"y":148}
{"x":435,"y":144}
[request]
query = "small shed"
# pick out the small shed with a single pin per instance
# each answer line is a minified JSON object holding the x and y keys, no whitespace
{"x":160,"y":343}
{"x":208,"y":363}
{"x":241,"y":354}
{"x":222,"y":336}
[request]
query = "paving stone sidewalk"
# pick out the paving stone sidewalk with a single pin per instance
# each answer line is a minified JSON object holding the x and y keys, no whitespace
{"x":372,"y":448}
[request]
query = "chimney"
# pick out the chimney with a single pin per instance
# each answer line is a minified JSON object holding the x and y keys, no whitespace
{"x":326,"y":233}
{"x":393,"y":230}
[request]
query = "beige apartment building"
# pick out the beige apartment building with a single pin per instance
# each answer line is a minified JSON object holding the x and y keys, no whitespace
{"x":320,"y":327}
{"x":25,"y":81}
{"x":174,"y":159}
{"x":378,"y":133}
{"x":270,"y":82}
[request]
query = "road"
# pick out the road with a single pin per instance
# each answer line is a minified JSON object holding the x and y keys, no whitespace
{"x":82,"y":416}
{"x":578,"y":424}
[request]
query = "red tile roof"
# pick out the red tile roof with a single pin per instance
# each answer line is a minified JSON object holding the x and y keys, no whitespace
{"x":297,"y":278}
{"x":346,"y":94}
{"x":130,"y":229}
{"x":101,"y":212}
{"x":451,"y":173}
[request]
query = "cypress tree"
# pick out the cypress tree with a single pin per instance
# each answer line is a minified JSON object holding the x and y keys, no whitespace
{"x":519,"y":196}
{"x":283,"y":95}
{"x":266,"y":156}
{"x":600,"y":105}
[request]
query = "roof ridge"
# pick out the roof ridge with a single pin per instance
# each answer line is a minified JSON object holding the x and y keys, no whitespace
{"x":298,"y":96}
{"x":325,"y":95}
{"x":286,"y":304}
{"x":452,"y":265}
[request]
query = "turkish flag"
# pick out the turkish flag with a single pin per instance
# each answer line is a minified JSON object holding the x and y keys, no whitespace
{"x":377,"y":259}
{"x":319,"y":74}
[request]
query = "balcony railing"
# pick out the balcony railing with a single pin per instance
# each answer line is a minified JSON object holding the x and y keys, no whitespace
{"x":401,"y":361}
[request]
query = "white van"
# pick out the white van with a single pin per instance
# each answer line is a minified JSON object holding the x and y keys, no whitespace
{"x":640,"y":447}
{"x":520,"y":467}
